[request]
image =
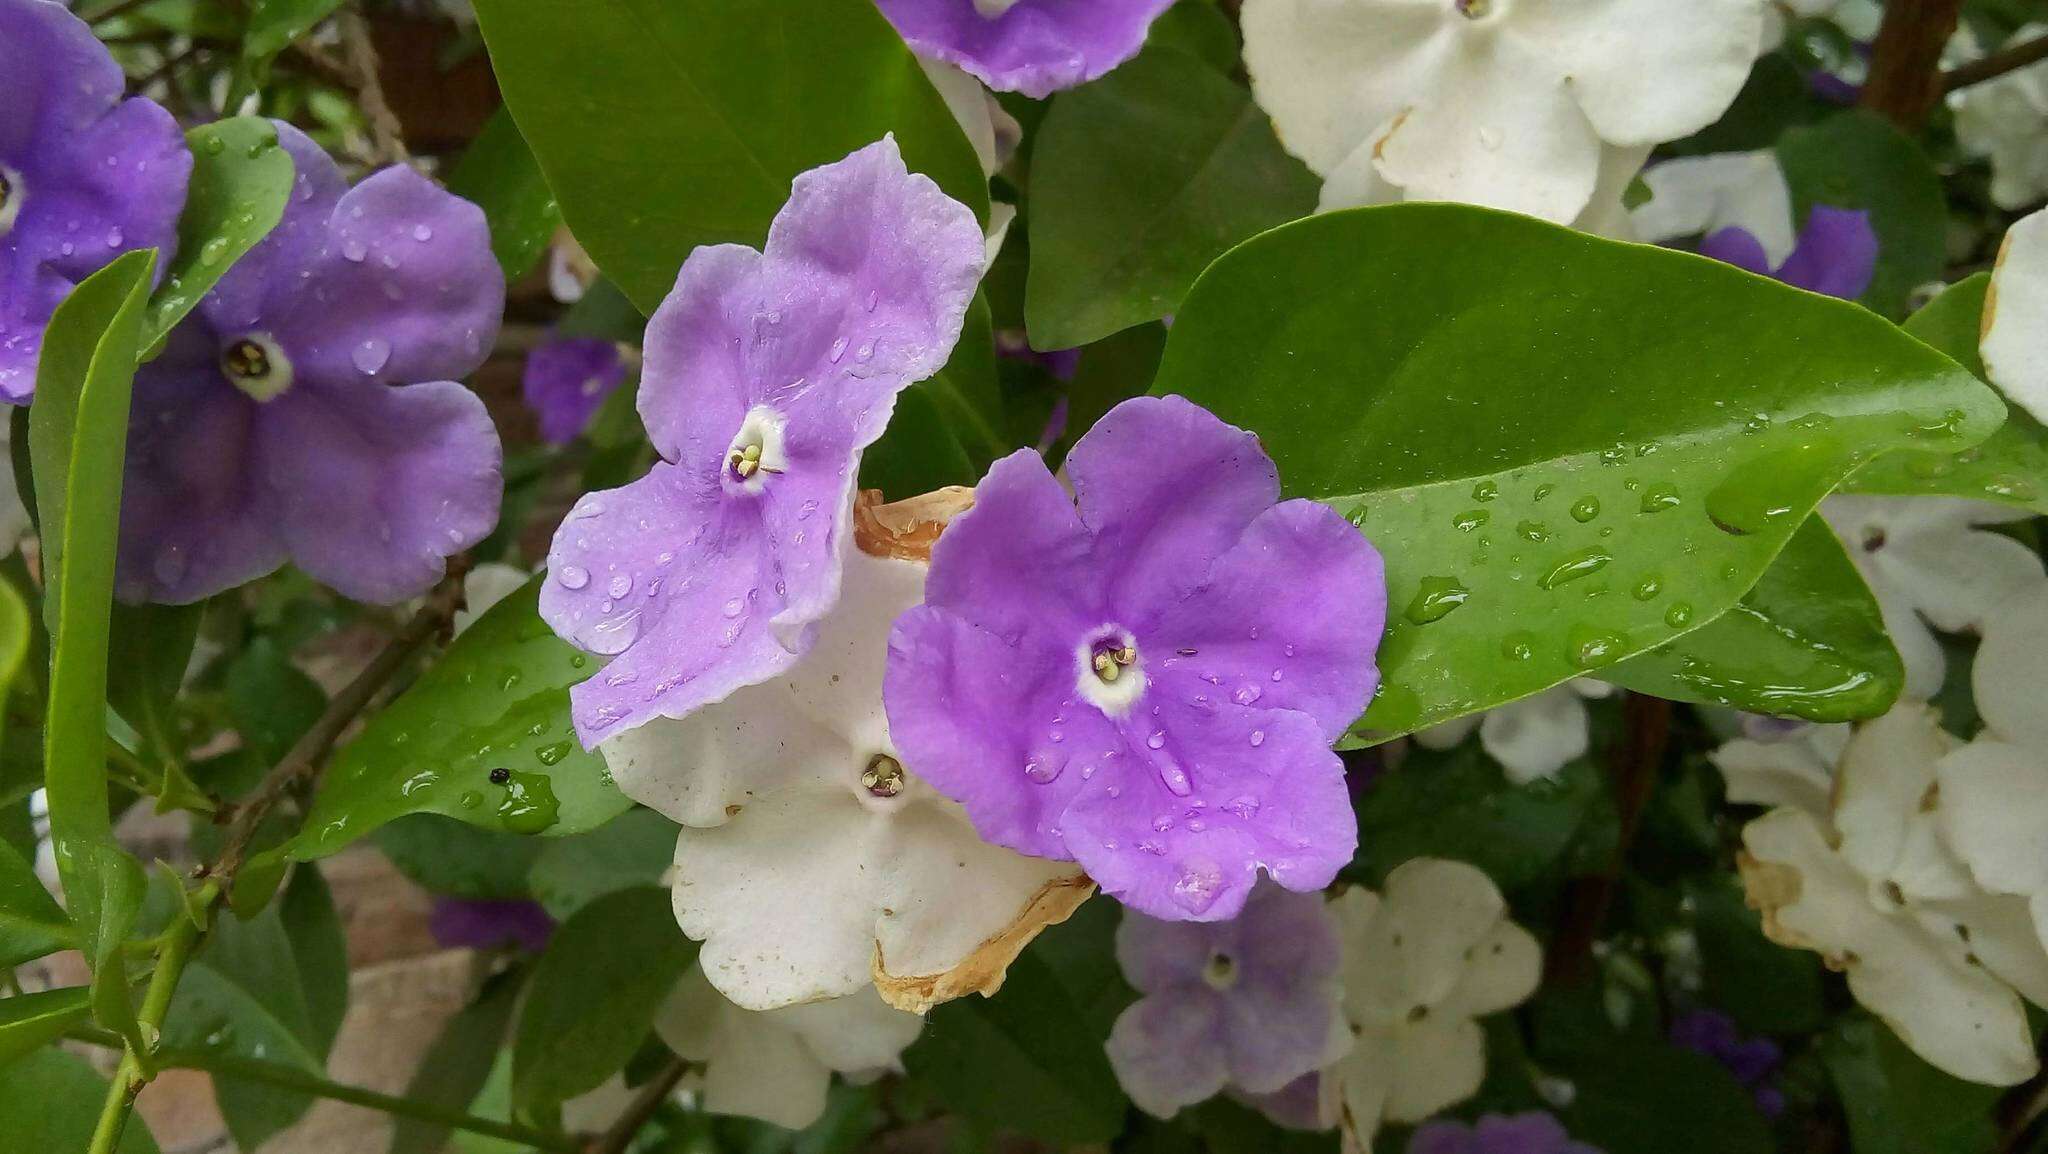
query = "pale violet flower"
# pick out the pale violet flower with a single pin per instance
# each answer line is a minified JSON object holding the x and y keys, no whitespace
{"x":1532,"y":738}
{"x":2015,"y":344}
{"x":1248,"y":1004}
{"x":1504,"y":103}
{"x":1497,"y":1134}
{"x":1994,"y":791}
{"x":1421,"y":965}
{"x":1697,"y":196}
{"x":777,"y":1065}
{"x":812,"y":863}
{"x":1932,"y":565}
{"x":1872,"y":885}
{"x":1148,"y":683}
{"x":1035,"y":47}
{"x":766,"y":374}
{"x":2005,"y":119}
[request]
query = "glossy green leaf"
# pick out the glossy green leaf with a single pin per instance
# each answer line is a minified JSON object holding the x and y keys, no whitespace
{"x":1856,"y":159}
{"x":945,"y":429}
{"x":319,"y":948}
{"x":78,"y":437}
{"x":223,"y":1011}
{"x":446,"y":856}
{"x":1647,"y":1095}
{"x":2010,"y":468}
{"x":499,"y":175}
{"x":684,"y":121}
{"x":1023,"y":1060}
{"x":1139,"y":180}
{"x":1570,"y":451}
{"x":51,"y":1101}
{"x":1808,"y":641}
{"x":15,"y":631}
{"x":1898,"y":1104}
{"x":241,"y":181}
{"x":148,"y":649}
{"x":31,"y":1021}
{"x":594,"y":995}
{"x":31,"y":923}
{"x":634,"y":849}
{"x":498,"y":699}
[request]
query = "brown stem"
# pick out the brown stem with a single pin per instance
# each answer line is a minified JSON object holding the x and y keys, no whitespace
{"x":1995,"y":65}
{"x":1905,"y":60}
{"x":645,"y":1102}
{"x":1634,"y":764}
{"x":303,"y":762}
{"x":386,"y":135}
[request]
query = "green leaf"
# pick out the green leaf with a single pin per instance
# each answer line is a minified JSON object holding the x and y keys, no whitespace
{"x":149,"y":648}
{"x":1024,"y":1060}
{"x":15,"y":631}
{"x":221,"y":1012}
{"x":944,"y":430}
{"x":1653,"y":1096}
{"x":634,"y":849}
{"x":1139,"y":180}
{"x":78,"y":438}
{"x":1458,"y":804}
{"x":499,"y":175}
{"x":31,"y":924}
{"x":319,"y":954}
{"x":271,"y":28}
{"x":271,"y":702}
{"x":497,"y":699}
{"x":241,"y":181}
{"x":2010,"y":468}
{"x":1571,"y":451}
{"x":1808,"y":641}
{"x":1858,"y":160}
{"x":445,"y":856}
{"x":456,"y":1065}
{"x":1898,"y":1104}
{"x":684,"y":121}
{"x":30,"y":1021}
{"x":52,"y":1100}
{"x":594,"y":994}
{"x":1763,"y":986}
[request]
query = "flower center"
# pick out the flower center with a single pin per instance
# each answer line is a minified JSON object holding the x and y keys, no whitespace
{"x":1473,"y":9}
{"x":1221,"y":972}
{"x":1112,"y":672}
{"x":883,"y":777}
{"x":756,"y":453}
{"x":10,"y":198}
{"x":994,"y":9}
{"x":256,"y":365}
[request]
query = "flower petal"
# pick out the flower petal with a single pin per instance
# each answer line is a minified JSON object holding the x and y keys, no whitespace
{"x":1414,"y":950}
{"x":1167,"y":1051}
{"x":1330,"y":75}
{"x":1500,"y":972}
{"x":1035,"y":47}
{"x":270,"y":279}
{"x":1646,"y":71}
{"x":1778,"y":773}
{"x":1837,"y":254}
{"x":1886,"y":773}
{"x":1994,"y":813}
{"x":1439,"y":1061}
{"x":2016,"y":317}
{"x":2011,"y":668}
{"x":1533,"y":738}
{"x":1702,"y":195}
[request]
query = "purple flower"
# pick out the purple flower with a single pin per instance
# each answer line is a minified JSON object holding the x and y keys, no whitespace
{"x":84,"y":175}
{"x":1836,"y":254}
{"x":308,"y":409}
{"x":466,"y":923}
{"x":566,"y":382}
{"x":1250,"y":1004}
{"x":1534,"y":1133}
{"x":1296,"y":1106}
{"x":1035,"y":47}
{"x":1753,"y":1061}
{"x":1149,"y":686}
{"x":1062,"y":364}
{"x":766,"y":375}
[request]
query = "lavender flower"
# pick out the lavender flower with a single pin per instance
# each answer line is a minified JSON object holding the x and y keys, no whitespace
{"x":566,"y":382}
{"x":1534,"y":1133}
{"x":1836,"y":254}
{"x":1035,"y":47}
{"x":1753,"y":1061}
{"x":84,"y":175}
{"x":308,"y":409}
{"x":464,"y":923}
{"x":1295,"y":1106}
{"x":766,"y":375}
{"x":1249,"y":1004}
{"x":1149,"y":686}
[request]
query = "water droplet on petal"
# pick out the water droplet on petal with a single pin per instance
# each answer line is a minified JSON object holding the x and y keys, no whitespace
{"x":1157,"y":740}
{"x":620,"y":586}
{"x":354,"y":251}
{"x":371,"y":356}
{"x":1258,"y":738}
{"x":572,"y":576}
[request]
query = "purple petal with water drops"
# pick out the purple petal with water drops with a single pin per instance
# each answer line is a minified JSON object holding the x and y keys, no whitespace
{"x":1035,"y":47}
{"x":84,"y":175}
{"x":1836,"y":254}
{"x":1739,"y":247}
{"x":567,"y":380}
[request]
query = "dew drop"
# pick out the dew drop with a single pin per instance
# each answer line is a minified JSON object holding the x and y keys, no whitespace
{"x":1485,"y":491}
{"x":1585,"y":509}
{"x":1157,"y":740}
{"x":1469,"y":520}
{"x":371,"y":356}
{"x":572,"y":576}
{"x":1258,"y":738}
{"x":1436,"y":598}
{"x":354,"y":251}
{"x":1581,"y":564}
{"x":1647,"y":589}
{"x":735,"y":607}
{"x":620,"y":586}
{"x":1678,"y":616}
{"x":1246,"y":694}
{"x":1660,"y":497}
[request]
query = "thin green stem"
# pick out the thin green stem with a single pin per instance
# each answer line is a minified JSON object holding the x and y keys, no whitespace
{"x":136,"y":1069}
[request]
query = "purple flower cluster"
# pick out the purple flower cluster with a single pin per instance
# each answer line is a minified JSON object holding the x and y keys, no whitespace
{"x":84,"y":175}
{"x":1533,"y":1133}
{"x":1753,"y":1061}
{"x":1035,"y":47}
{"x":567,"y":381}
{"x":1836,"y":255}
{"x":1148,"y":683}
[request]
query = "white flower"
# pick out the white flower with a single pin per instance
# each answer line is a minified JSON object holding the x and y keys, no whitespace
{"x":1928,"y":562}
{"x":1701,"y":195}
{"x":777,"y":1065}
{"x":2006,"y":119}
{"x":811,"y":863}
{"x":1507,"y":103}
{"x":1532,"y":738}
{"x":2015,"y":344}
{"x":1420,"y":966}
{"x":1794,"y":768}
{"x":1994,"y":791}
{"x":571,"y":272}
{"x":485,"y":586}
{"x":1875,"y":890}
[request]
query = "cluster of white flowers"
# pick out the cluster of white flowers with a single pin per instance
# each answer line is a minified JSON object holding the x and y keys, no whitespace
{"x":2006,"y":120}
